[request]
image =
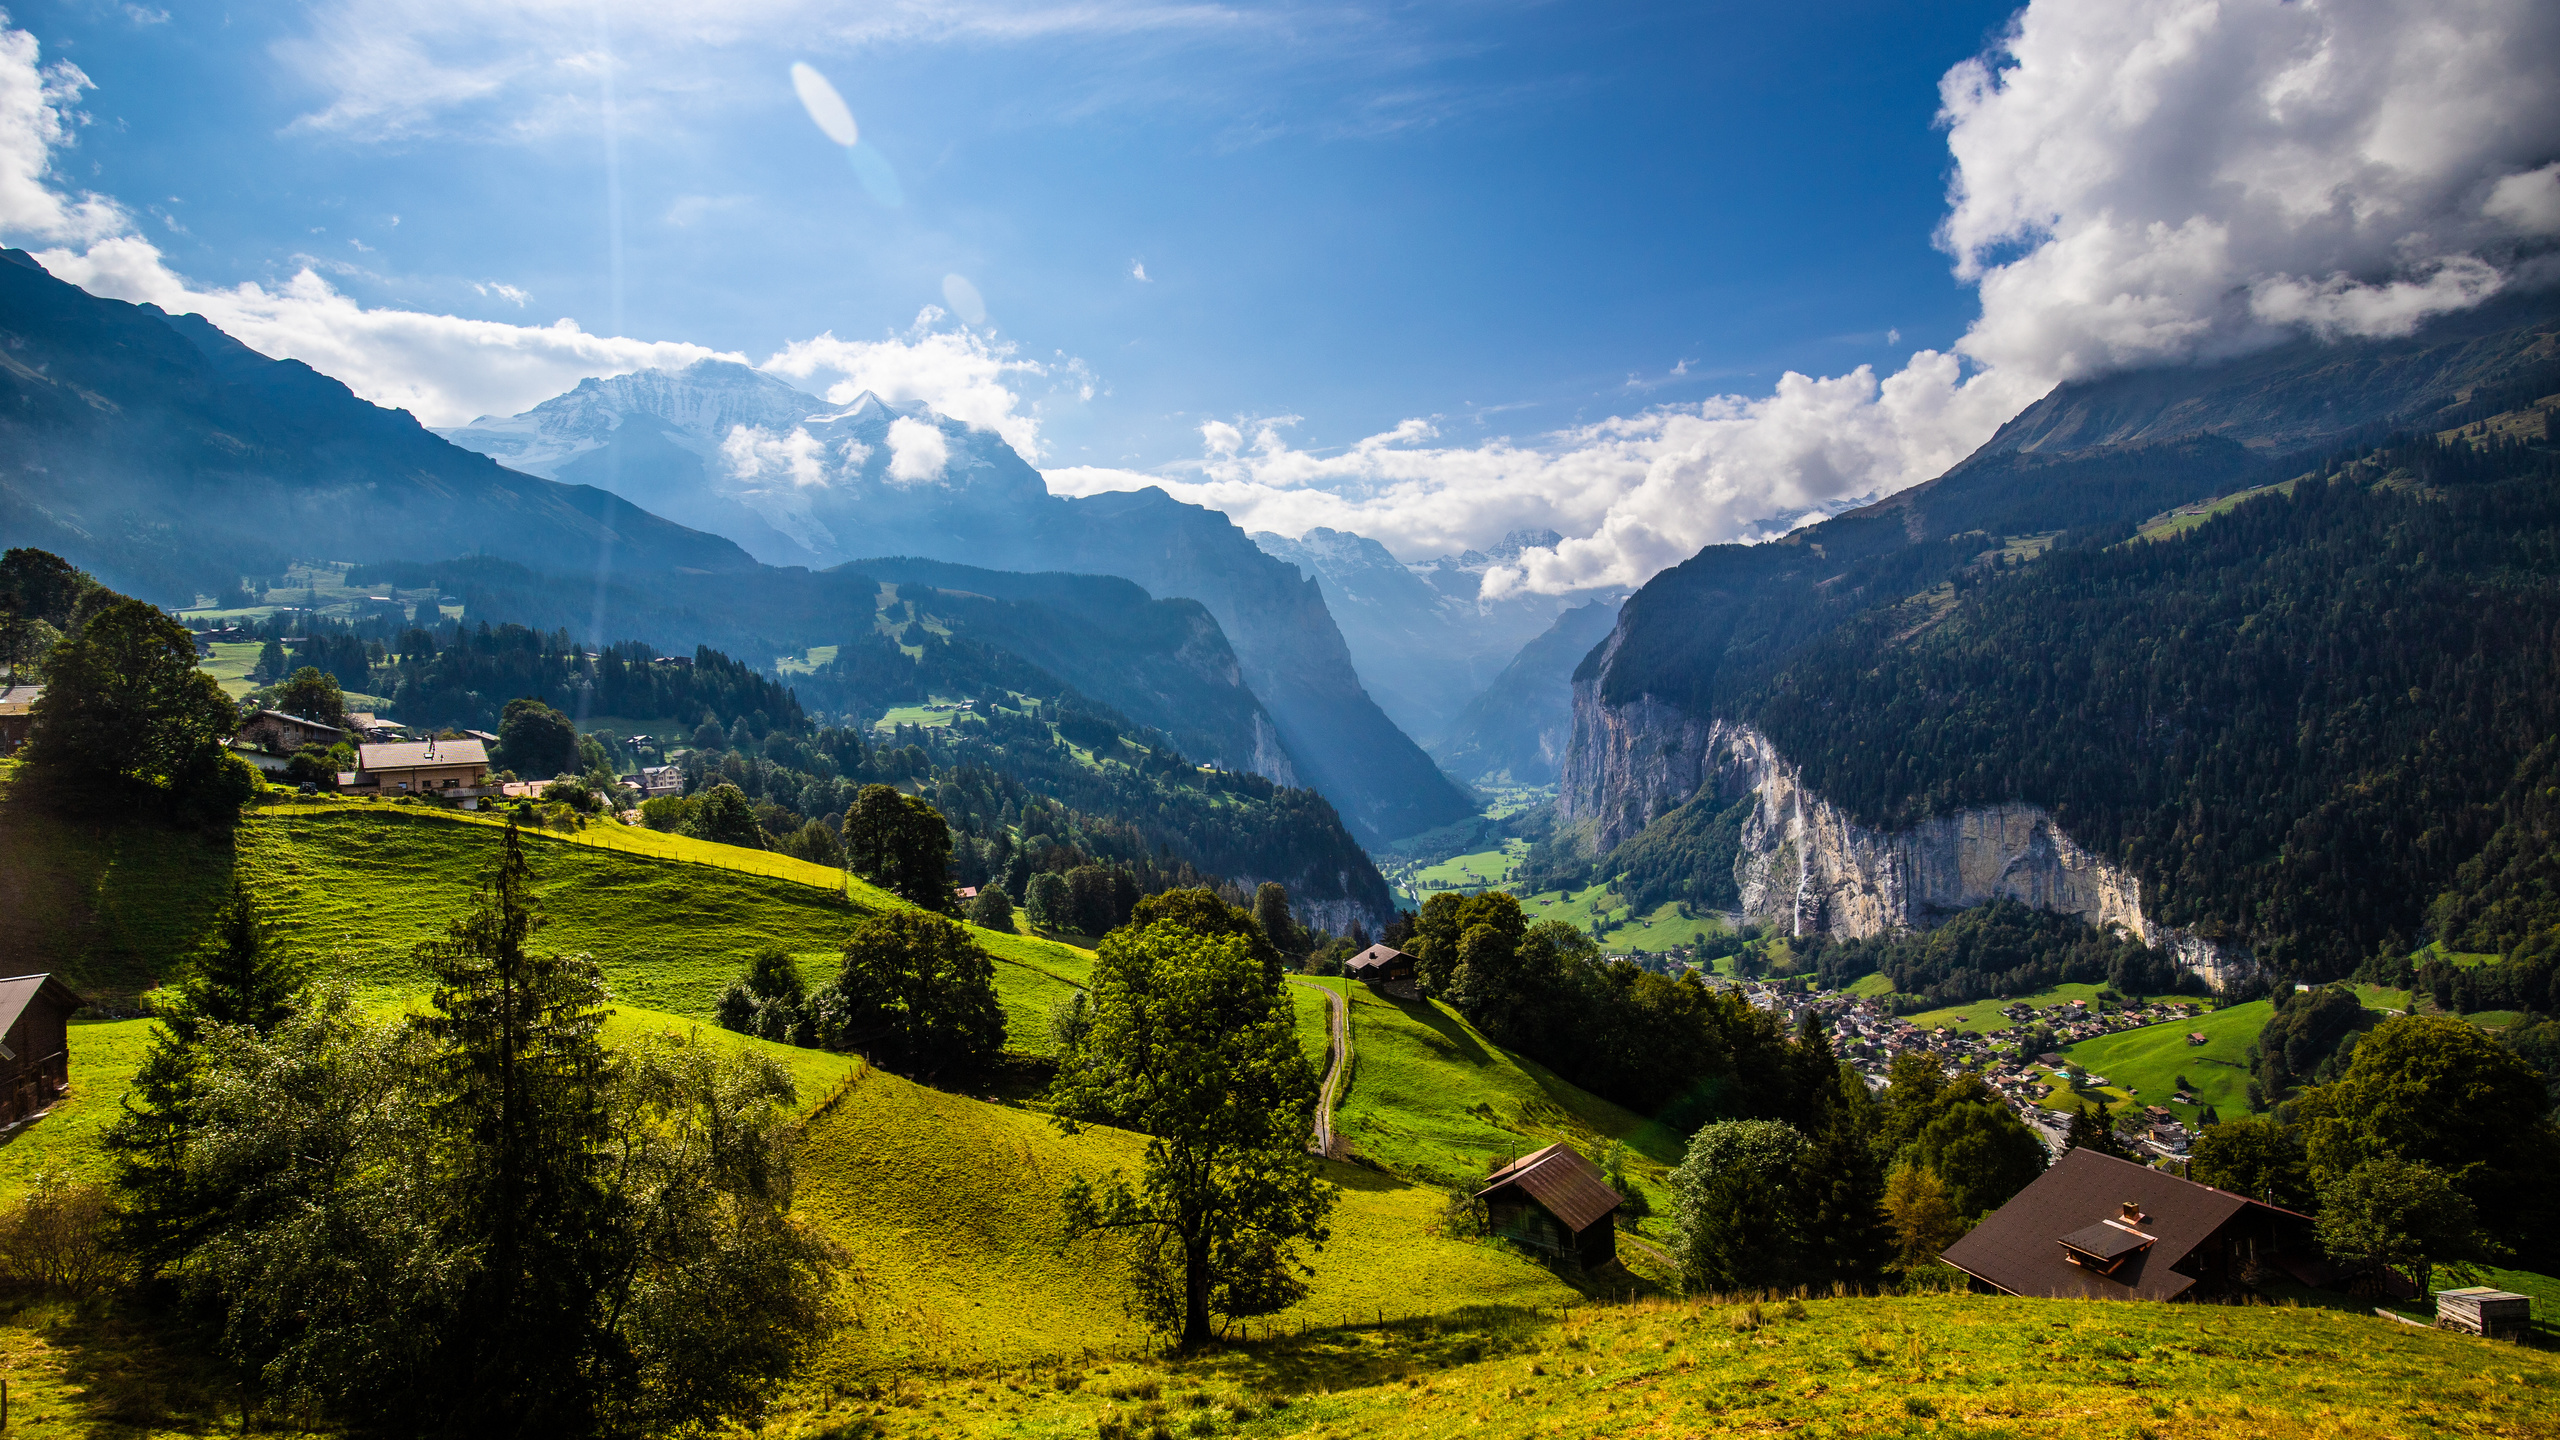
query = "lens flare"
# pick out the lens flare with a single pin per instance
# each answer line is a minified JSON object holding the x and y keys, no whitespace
{"x":826,"y":108}
{"x":964,"y":299}
{"x":878,"y":180}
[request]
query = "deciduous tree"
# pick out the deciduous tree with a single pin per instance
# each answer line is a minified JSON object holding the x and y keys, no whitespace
{"x":1193,"y":1043}
{"x":917,"y":994}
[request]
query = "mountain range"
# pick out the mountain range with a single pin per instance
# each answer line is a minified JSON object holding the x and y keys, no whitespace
{"x":1974,"y":689}
{"x":170,"y":460}
{"x":799,"y":482}
{"x":1422,"y":636}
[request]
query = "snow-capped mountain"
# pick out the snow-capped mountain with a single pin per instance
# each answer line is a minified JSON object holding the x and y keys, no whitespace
{"x":726,"y":448}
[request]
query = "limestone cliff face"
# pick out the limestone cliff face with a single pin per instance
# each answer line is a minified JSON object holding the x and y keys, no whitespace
{"x":1628,"y":764}
{"x":1807,"y":867}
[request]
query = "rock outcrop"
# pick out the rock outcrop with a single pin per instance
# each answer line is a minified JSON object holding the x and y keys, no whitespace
{"x":1806,"y":867}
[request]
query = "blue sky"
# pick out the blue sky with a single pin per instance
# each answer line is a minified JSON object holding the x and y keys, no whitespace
{"x":1427,"y":271}
{"x":1355,"y":220}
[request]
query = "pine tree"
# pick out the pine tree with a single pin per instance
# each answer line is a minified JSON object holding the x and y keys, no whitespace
{"x":524,"y":1078}
{"x":2090,"y":1131}
{"x":244,"y":980}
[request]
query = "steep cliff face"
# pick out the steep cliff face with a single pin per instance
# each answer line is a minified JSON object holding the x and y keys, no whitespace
{"x":1629,"y":763}
{"x":1808,"y":868}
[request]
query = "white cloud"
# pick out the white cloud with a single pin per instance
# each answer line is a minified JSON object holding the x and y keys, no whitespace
{"x":752,"y":452}
{"x":964,"y":374}
{"x":2141,"y":182}
{"x":1138,"y":271}
{"x":36,"y":119}
{"x":503,"y":292}
{"x":917,"y":451}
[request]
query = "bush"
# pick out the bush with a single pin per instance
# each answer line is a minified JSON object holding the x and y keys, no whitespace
{"x":992,"y":909}
{"x":667,"y":813}
{"x":57,"y":1239}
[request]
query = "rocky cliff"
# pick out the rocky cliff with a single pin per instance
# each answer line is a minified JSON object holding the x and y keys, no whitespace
{"x":1808,"y":868}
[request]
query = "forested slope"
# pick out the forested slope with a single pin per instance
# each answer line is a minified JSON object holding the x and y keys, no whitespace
{"x":2287,"y":721}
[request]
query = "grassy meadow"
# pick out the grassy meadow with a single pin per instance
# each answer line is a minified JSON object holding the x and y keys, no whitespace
{"x":1657,"y":929}
{"x":1950,"y":1365}
{"x":2142,"y":1066}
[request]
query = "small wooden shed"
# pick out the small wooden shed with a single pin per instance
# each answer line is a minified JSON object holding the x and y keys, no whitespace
{"x":2497,"y":1314}
{"x":1554,"y":1200}
{"x":35,"y":1044}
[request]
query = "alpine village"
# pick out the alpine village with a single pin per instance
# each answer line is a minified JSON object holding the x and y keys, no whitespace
{"x":501,"y":943}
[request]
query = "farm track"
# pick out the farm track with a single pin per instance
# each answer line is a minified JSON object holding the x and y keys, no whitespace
{"x":1338,"y":1023}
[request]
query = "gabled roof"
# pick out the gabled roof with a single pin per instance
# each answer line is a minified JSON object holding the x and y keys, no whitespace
{"x":1376,"y":957}
{"x":1558,"y":1178}
{"x":419,"y":754}
{"x":15,"y":699}
{"x":2021,"y":1247}
{"x":304,"y":722}
{"x":17,"y":991}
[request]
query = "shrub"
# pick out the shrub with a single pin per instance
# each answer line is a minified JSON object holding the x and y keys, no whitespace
{"x":57,"y":1239}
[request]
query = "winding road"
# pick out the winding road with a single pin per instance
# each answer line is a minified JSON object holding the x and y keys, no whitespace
{"x":1338,"y":1022}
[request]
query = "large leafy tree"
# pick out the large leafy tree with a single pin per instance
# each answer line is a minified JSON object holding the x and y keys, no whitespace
{"x":2405,"y":1216}
{"x":1737,"y":1209}
{"x":1192,"y":1042}
{"x":1980,"y":1148}
{"x":536,"y":741}
{"x":2262,"y":1159}
{"x":40,"y":592}
{"x":917,"y":994}
{"x":725,"y":815}
{"x":2435,"y":1090}
{"x":902,"y":843}
{"x":125,"y":707}
{"x":313,"y":694}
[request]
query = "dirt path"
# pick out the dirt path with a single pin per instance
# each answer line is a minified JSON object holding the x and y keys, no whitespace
{"x":1338,"y":1022}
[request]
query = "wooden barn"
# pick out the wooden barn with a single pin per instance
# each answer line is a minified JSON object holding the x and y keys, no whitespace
{"x":1554,"y":1200}
{"x":35,"y":1044}
{"x":1385,"y":967}
{"x":2101,"y":1228}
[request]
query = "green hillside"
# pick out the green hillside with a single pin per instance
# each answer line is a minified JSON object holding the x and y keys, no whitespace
{"x":2145,"y":1064}
{"x":1432,"y":1100}
{"x":1953,"y":1366}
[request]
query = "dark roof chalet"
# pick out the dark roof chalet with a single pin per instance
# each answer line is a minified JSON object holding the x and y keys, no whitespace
{"x":2098,"y":1227}
{"x":17,"y":992}
{"x":1376,"y":957}
{"x":1559,"y":1179}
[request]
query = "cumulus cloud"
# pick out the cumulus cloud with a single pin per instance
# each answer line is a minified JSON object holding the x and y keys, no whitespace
{"x":917,"y":451}
{"x":2136,"y":183}
{"x":752,"y":453}
{"x":965,"y":374}
{"x":36,"y":119}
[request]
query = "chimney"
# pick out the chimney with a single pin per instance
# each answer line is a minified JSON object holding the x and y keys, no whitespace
{"x":2133,"y":1213}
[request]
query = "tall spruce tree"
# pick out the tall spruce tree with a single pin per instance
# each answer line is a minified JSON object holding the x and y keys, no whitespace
{"x":523,"y":1078}
{"x":242,"y":980}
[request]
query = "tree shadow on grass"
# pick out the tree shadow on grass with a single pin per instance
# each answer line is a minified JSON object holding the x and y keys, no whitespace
{"x":120,"y":1369}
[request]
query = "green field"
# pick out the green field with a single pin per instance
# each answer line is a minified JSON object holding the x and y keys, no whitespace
{"x":1657,"y":930}
{"x":2377,"y":998}
{"x":1433,"y":1101}
{"x":1949,"y":1366}
{"x":916,"y":715}
{"x":1483,"y":870}
{"x":1982,"y":1017}
{"x":230,"y":663}
{"x":2144,"y":1064}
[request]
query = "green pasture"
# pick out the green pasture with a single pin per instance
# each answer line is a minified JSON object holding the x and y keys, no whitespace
{"x":1483,"y":870}
{"x":1982,"y":1017}
{"x":2144,"y":1064}
{"x":1951,"y":1365}
{"x":1659,"y":929}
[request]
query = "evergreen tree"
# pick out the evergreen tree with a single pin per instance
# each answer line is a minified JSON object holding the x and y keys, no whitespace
{"x":245,"y":981}
{"x":2091,"y":1130}
{"x":523,"y":1079}
{"x":1271,"y":912}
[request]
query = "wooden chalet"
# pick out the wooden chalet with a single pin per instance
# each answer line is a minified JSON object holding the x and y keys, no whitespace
{"x":2096,"y":1227}
{"x":1385,"y":967}
{"x":17,"y":715}
{"x":1554,"y":1200}
{"x":35,"y":1044}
